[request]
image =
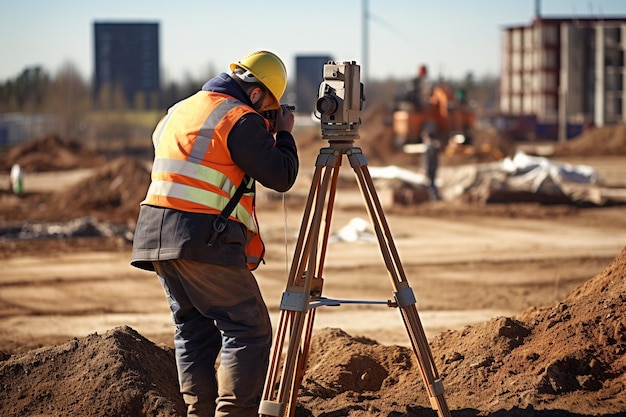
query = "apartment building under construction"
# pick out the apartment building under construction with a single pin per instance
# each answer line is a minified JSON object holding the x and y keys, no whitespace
{"x":561,"y":75}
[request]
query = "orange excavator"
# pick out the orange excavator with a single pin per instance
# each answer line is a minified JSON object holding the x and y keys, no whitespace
{"x":424,"y":106}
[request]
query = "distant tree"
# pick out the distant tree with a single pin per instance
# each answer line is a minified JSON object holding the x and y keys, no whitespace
{"x":8,"y":98}
{"x":119,"y":99}
{"x":69,"y":100}
{"x":189,"y":86}
{"x":380,"y":92}
{"x":154,"y":100}
{"x":174,"y":91}
{"x":486,"y":94}
{"x":139,"y":102}
{"x":30,"y":88}
{"x":169,"y":94}
{"x":469,"y":80}
{"x":104,"y":99}
{"x":208,"y":73}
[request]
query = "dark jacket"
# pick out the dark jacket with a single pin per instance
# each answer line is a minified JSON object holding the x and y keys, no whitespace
{"x":163,"y":234}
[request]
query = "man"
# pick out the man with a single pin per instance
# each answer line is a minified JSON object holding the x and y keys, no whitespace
{"x":209,"y":150}
{"x":430,"y":163}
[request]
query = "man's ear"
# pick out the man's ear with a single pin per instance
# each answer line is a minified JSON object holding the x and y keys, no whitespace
{"x":255,"y":94}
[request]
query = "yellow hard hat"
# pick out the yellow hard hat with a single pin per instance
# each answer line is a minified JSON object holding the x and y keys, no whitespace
{"x":266,"y":68}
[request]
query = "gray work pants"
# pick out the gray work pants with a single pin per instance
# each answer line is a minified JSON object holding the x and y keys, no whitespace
{"x":216,"y":307}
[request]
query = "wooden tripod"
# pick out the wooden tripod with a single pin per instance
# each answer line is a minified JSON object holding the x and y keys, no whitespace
{"x":304,"y":287}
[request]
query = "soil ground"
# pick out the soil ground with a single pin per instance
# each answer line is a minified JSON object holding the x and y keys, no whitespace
{"x":522,"y":302}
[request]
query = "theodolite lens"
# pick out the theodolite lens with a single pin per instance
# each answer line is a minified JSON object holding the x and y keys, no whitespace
{"x":326,"y":105}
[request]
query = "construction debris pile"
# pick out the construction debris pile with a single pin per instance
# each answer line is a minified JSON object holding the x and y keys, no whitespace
{"x":80,"y":227}
{"x":519,"y":177}
{"x":528,"y":178}
{"x":569,"y":358}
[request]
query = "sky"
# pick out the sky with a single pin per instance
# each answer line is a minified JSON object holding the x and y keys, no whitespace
{"x":200,"y":38}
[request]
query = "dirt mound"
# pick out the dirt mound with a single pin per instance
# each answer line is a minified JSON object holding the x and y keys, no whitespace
{"x":119,"y":373}
{"x":606,"y":140}
{"x":349,"y":375}
{"x":113,"y":192}
{"x":50,"y":153}
{"x":568,"y":359}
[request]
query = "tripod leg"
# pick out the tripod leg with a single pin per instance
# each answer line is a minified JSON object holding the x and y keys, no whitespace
{"x":303,"y":354}
{"x":402,"y":291}
{"x":296,"y":319}
{"x":280,"y":393}
{"x":301,"y":363}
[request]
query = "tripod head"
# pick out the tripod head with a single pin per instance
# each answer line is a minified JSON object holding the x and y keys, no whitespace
{"x":340,"y":101}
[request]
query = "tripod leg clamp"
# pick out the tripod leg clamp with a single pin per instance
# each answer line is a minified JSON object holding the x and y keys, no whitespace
{"x":405,"y":297}
{"x":436,"y":392}
{"x":356,"y":158}
{"x":436,"y":387}
{"x":270,"y":408}
{"x":294,"y":301}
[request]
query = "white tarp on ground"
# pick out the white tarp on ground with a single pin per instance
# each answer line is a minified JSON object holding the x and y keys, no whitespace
{"x":531,"y":173}
{"x":394,"y":172}
{"x":357,"y":230}
{"x":511,"y":178}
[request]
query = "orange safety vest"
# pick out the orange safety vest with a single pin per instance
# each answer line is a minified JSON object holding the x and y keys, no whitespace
{"x":193,"y":170}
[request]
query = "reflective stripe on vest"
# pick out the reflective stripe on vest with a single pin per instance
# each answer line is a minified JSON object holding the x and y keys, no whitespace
{"x":194,"y":170}
{"x":203,"y":197}
{"x":205,"y":134}
{"x":182,"y":175}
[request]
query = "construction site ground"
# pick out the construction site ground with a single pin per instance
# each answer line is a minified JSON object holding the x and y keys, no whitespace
{"x":523,"y":303}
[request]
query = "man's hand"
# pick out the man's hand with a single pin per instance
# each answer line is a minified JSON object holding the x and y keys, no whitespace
{"x":284,"y":118}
